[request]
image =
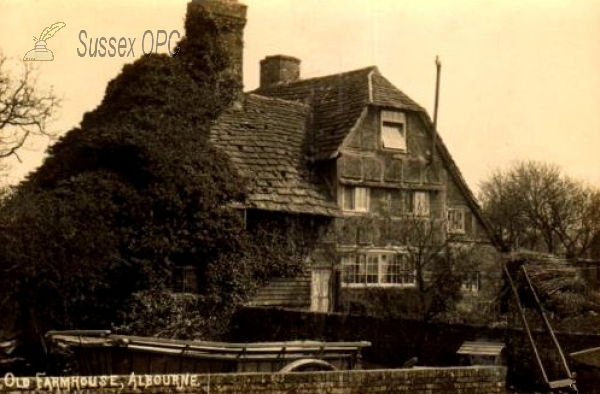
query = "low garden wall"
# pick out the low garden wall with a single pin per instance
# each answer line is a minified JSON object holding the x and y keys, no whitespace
{"x":468,"y":380}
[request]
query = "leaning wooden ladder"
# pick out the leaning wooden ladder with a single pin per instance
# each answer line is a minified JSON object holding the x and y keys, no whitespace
{"x":564,"y":384}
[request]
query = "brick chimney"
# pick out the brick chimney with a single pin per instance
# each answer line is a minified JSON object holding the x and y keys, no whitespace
{"x":221,"y":22}
{"x":279,"y":69}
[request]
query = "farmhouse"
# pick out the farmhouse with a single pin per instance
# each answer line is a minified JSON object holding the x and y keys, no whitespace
{"x":359,"y":164}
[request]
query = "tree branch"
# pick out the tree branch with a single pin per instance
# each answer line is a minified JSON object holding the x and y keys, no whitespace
{"x":24,"y":109}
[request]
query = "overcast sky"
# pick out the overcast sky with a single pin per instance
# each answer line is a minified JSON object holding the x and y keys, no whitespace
{"x":520,"y":78}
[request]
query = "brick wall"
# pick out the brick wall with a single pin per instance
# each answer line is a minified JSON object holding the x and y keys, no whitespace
{"x":472,"y":380}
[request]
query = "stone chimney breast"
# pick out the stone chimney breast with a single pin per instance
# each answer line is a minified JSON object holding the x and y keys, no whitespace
{"x":279,"y":69}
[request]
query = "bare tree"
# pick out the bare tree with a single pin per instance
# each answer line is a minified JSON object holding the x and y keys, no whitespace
{"x":534,"y":206}
{"x":433,"y":264}
{"x":581,"y":227}
{"x":442,"y":262}
{"x":24,"y":108}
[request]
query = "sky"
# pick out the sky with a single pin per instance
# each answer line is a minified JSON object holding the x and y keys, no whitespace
{"x":520,"y":79}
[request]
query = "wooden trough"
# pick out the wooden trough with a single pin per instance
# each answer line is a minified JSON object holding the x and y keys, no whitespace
{"x":103,"y":353}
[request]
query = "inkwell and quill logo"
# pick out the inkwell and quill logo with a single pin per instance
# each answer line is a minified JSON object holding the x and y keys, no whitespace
{"x":40,"y":52}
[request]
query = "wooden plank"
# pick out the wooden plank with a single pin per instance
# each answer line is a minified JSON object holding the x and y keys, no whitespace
{"x":556,"y":384}
{"x":281,"y":294}
{"x":284,"y":289}
{"x":589,"y":356}
{"x":281,"y":302}
{"x":180,"y":345}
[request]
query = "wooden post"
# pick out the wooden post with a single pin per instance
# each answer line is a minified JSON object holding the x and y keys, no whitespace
{"x":563,"y":360}
{"x":438,"y":65}
{"x":526,"y":325}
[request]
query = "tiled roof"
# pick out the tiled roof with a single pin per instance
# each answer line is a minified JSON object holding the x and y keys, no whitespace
{"x":266,"y":143}
{"x":387,"y":95}
{"x":268,"y":139}
{"x":338,"y":101}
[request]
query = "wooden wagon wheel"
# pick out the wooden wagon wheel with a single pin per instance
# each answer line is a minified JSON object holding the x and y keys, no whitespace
{"x":308,"y":364}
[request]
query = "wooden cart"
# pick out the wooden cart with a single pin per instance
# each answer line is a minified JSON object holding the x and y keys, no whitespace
{"x":103,"y":353}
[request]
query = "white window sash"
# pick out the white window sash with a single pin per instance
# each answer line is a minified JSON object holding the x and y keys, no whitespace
{"x":456,"y":221}
{"x":421,"y":204}
{"x":361,"y":199}
{"x":393,"y":130}
{"x":377,"y":270}
{"x":393,"y":136}
{"x":354,"y":199}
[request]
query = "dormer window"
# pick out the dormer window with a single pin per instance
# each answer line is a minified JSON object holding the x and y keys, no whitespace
{"x":393,"y":130}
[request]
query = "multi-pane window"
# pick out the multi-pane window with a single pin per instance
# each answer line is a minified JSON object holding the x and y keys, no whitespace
{"x":393,"y":130}
{"x":417,"y":202}
{"x":185,"y":279}
{"x":377,"y":269}
{"x":471,"y":282}
{"x":397,"y":269}
{"x":456,"y":221}
{"x":371,"y":274}
{"x":355,"y":199}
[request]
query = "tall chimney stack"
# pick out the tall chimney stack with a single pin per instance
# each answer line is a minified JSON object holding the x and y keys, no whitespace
{"x":215,"y":35}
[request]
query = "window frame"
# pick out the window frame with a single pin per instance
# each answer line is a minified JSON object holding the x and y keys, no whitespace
{"x":471,"y":282}
{"x":184,"y":279}
{"x":463,"y":221}
{"x":357,"y":192}
{"x":362,"y":267}
{"x":411,"y":203}
{"x":393,"y":118}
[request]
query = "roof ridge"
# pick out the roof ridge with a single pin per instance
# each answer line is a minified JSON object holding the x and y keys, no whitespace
{"x":276,"y":99}
{"x":320,"y":78}
{"x":343,"y":73}
{"x":370,"y":83}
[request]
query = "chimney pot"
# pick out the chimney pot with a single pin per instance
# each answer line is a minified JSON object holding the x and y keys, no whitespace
{"x":279,"y":69}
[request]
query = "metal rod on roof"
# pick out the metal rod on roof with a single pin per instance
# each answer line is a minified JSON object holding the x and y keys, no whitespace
{"x":438,"y":65}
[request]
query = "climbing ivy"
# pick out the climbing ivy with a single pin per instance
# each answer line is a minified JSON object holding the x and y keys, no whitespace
{"x":89,"y":240}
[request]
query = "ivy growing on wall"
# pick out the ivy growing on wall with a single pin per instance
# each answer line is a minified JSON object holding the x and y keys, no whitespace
{"x":88,"y":241}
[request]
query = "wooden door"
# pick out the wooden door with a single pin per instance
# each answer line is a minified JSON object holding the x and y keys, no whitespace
{"x":320,"y":294}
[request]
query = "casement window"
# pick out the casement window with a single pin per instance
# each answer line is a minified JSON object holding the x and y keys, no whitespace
{"x":185,"y":279}
{"x":471,"y":282}
{"x":456,"y":221}
{"x":377,"y":269}
{"x":393,"y":130}
{"x":355,"y":199}
{"x":417,"y":203}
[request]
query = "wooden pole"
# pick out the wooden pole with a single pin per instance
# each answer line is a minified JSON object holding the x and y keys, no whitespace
{"x":526,"y":325}
{"x":563,"y":360}
{"x":438,"y":65}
